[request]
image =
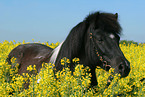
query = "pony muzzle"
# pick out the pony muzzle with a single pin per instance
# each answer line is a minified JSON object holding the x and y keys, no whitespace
{"x":122,"y":66}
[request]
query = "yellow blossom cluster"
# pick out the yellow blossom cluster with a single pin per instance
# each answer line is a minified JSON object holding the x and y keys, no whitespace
{"x":71,"y":84}
{"x":64,"y":61}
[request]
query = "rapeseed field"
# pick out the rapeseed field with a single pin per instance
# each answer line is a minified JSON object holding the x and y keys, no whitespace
{"x":64,"y":84}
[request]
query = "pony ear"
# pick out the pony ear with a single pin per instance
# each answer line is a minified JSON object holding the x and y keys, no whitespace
{"x":96,"y":26}
{"x":97,"y":15}
{"x":116,"y":16}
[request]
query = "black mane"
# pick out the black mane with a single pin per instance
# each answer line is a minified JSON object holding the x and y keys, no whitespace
{"x":73,"y":43}
{"x":106,"y":21}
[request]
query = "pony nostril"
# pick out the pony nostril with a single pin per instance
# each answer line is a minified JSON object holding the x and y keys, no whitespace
{"x":120,"y":67}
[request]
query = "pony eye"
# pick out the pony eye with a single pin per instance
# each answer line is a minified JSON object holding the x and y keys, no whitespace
{"x":100,"y":40}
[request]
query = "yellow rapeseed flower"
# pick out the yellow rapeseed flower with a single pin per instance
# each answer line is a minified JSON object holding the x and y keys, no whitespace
{"x":63,"y":83}
{"x":64,"y":61}
{"x":30,"y":68}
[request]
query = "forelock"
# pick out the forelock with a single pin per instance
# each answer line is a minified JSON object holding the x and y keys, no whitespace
{"x":105,"y":21}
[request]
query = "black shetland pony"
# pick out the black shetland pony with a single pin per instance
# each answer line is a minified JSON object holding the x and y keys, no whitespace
{"x":95,"y":41}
